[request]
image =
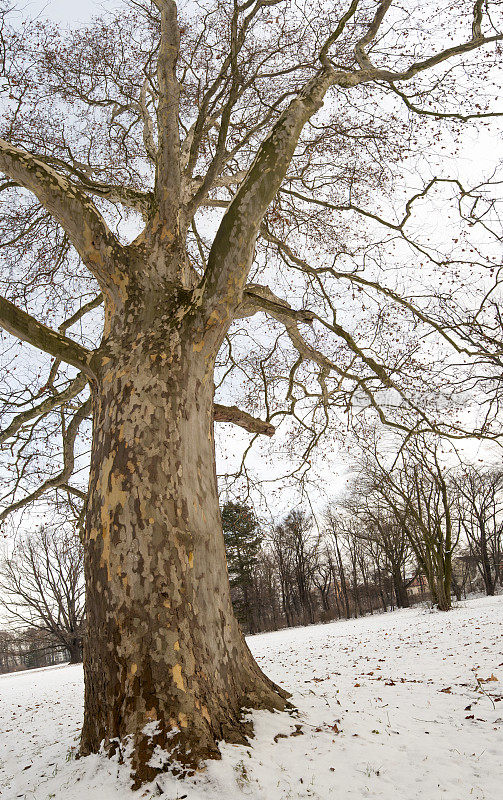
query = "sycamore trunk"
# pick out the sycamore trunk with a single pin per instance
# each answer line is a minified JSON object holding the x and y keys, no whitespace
{"x":166,"y":663}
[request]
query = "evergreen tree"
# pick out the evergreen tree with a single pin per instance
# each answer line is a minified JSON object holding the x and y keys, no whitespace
{"x":242,"y":543}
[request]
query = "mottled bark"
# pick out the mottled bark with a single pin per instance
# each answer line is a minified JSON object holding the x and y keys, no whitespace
{"x":166,"y":650}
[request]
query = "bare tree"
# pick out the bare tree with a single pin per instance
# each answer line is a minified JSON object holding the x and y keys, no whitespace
{"x":418,"y":490}
{"x":42,"y":587}
{"x":334,"y":529}
{"x":266,"y":598}
{"x":302,"y":547}
{"x":323,"y":575}
{"x":283,"y":556}
{"x":118,"y":140}
{"x":480,"y":497}
{"x":377,"y":525}
{"x":30,"y":648}
{"x":10,"y":652}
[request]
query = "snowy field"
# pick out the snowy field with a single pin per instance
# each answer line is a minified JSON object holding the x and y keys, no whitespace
{"x":396,"y":706}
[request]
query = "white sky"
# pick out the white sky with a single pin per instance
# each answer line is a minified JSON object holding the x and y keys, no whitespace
{"x":67,"y":10}
{"x":477,"y":151}
{"x":330,"y":478}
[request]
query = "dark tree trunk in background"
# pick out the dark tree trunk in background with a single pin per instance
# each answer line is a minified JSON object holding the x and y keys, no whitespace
{"x":485,"y":561}
{"x":401,"y":595}
{"x":75,"y":651}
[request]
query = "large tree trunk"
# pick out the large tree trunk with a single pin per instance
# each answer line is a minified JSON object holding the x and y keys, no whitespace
{"x":402,"y":597}
{"x":75,"y":651}
{"x":489,"y":582}
{"x":166,"y":661}
{"x":443,"y":597}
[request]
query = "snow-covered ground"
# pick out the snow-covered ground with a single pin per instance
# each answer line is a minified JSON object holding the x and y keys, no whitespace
{"x":396,"y":706}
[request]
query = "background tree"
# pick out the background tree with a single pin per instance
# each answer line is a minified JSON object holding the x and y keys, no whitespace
{"x":480,"y":501}
{"x":242,"y":543}
{"x":171,"y":170}
{"x":302,"y":548}
{"x":378,"y":526}
{"x":42,"y":586}
{"x":10,"y":652}
{"x":322,"y":576}
{"x":282,"y":554}
{"x":334,"y":530}
{"x":266,"y":593}
{"x":418,"y":491}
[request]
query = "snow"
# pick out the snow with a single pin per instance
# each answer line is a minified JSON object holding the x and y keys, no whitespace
{"x":401,"y":705}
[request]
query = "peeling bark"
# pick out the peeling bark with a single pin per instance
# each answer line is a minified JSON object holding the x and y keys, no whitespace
{"x":166,"y":648}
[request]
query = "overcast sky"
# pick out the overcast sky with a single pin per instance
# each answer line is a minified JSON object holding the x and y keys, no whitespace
{"x":468,"y":163}
{"x":65,"y":11}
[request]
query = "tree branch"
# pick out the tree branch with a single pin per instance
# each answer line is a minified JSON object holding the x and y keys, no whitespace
{"x":421,"y":66}
{"x":261,"y":298}
{"x":231,"y":254}
{"x":75,"y":212}
{"x":28,"y":329}
{"x":241,"y":418}
{"x":442,"y":114}
{"x":148,"y":126}
{"x":61,"y":479}
{"x":168,"y":176}
{"x":127,"y":196}
{"x":47,"y":405}
{"x":353,"y":277}
{"x":360,"y":47}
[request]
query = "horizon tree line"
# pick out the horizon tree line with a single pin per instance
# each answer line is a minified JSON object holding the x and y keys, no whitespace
{"x":417,"y":532}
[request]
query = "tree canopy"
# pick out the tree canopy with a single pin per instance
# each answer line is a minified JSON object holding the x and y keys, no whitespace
{"x":345,"y":322}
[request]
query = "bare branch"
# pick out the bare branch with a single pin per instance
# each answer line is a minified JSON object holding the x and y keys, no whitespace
{"x":442,"y":114}
{"x":148,"y":125}
{"x":231,"y":254}
{"x":360,"y":47}
{"x":28,"y":329}
{"x":47,"y":405}
{"x":68,"y":462}
{"x":127,"y":196}
{"x":74,"y":211}
{"x":82,"y":311}
{"x":168,"y":177}
{"x":365,"y":76}
{"x":338,"y":31}
{"x":241,"y":418}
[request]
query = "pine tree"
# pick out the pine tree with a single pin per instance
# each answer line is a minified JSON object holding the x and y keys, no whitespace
{"x":242,"y":544}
